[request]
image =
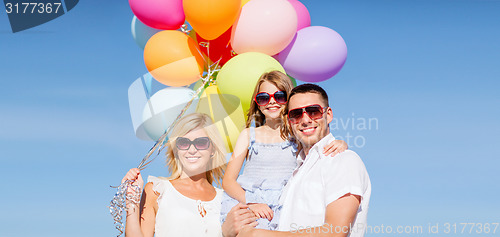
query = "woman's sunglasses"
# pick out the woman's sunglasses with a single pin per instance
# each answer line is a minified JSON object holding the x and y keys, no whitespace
{"x":313,"y":111}
{"x":263,"y":98}
{"x":200,"y":143}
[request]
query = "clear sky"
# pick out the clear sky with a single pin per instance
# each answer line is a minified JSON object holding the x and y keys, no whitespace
{"x":424,"y":71}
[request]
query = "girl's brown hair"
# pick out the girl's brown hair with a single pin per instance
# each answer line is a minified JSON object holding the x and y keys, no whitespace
{"x":277,"y":78}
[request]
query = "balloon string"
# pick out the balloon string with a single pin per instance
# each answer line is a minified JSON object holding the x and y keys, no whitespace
{"x":159,"y":145}
{"x":184,"y":28}
{"x":118,"y":203}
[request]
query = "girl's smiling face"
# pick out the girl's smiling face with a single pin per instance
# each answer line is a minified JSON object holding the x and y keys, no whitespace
{"x":273,"y":109}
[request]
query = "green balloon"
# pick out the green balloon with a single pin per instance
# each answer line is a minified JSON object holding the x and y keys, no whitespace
{"x":294,"y":82}
{"x":239,"y":75}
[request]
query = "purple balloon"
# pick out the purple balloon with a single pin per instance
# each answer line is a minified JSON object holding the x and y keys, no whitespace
{"x":316,"y":54}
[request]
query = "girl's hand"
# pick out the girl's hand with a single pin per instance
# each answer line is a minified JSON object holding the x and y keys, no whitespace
{"x":135,"y":175}
{"x":334,"y":148}
{"x":261,"y":210}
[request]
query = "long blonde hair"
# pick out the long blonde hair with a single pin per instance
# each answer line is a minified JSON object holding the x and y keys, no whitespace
{"x":277,"y":78}
{"x":188,"y":123}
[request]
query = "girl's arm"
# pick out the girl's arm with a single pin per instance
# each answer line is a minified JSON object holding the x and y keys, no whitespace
{"x":229,"y":184}
{"x":335,"y":147}
{"x":141,"y":218}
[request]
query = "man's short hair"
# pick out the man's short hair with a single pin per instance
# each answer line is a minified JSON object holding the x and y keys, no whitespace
{"x":310,"y":88}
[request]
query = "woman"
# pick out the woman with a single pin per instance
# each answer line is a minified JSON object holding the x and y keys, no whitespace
{"x":186,"y":203}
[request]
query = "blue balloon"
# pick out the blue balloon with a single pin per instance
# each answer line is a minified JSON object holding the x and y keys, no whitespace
{"x":142,"y":32}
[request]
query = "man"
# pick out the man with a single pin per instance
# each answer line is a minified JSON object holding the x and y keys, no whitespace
{"x":325,"y":196}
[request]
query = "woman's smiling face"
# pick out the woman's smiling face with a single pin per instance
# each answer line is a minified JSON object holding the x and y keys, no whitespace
{"x":195,"y":161}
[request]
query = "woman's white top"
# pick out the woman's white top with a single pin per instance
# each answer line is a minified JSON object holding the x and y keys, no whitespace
{"x":179,"y":215}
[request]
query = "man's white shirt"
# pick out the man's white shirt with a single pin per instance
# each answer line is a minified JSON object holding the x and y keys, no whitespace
{"x":318,"y":181}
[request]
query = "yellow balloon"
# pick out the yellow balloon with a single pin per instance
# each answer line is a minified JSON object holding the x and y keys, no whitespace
{"x":239,"y":75}
{"x":243,"y":2}
{"x":225,"y":111}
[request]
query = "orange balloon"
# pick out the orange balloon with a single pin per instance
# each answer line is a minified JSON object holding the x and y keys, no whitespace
{"x":173,"y":58}
{"x":211,"y":18}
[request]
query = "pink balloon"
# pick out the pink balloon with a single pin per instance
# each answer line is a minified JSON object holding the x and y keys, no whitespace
{"x":316,"y":54}
{"x":159,"y":14}
{"x":264,"y":26}
{"x":303,"y":17}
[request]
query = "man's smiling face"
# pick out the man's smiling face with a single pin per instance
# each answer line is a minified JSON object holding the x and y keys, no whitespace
{"x":308,"y":131}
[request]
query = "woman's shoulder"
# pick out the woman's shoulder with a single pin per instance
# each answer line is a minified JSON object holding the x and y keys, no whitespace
{"x":150,"y":189}
{"x":156,"y":185}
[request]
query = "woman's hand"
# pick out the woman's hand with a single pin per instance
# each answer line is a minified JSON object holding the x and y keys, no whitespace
{"x":335,"y":147}
{"x":134,"y":175}
{"x":261,"y":210}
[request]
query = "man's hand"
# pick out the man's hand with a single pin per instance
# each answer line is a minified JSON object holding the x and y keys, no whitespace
{"x":238,"y":217}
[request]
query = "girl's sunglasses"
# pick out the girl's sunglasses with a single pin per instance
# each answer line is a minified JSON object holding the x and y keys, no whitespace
{"x":263,"y":98}
{"x":200,"y":143}
{"x":313,"y":111}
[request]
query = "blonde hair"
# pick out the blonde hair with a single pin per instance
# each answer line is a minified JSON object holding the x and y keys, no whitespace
{"x":277,"y":78}
{"x":187,"y":124}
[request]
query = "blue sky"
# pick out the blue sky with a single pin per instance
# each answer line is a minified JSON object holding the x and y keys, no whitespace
{"x":427,"y":71}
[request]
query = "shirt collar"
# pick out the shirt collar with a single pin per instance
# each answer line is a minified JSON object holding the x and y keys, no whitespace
{"x":318,"y":146}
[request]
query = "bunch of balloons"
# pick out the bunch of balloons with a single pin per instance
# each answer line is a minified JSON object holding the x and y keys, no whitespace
{"x":240,"y":39}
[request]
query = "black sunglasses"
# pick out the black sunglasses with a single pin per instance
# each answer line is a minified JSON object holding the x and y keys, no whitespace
{"x":200,"y":143}
{"x":263,"y":98}
{"x":313,"y":111}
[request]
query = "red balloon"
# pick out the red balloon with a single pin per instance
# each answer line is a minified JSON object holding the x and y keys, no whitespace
{"x":217,"y":49}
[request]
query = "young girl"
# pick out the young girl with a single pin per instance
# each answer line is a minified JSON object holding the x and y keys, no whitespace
{"x":186,"y":203}
{"x":270,"y":159}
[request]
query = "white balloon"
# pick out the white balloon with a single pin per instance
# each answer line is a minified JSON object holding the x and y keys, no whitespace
{"x":162,"y":109}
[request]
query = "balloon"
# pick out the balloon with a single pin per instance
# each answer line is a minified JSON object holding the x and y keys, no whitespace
{"x":225,"y":111}
{"x":164,"y":14}
{"x":163,"y":108}
{"x":142,"y":32}
{"x":265,"y":26}
{"x":294,"y":82}
{"x":303,"y":17}
{"x":173,"y":58}
{"x":316,"y":54}
{"x":211,"y":18}
{"x":217,"y":49}
{"x":240,"y":74}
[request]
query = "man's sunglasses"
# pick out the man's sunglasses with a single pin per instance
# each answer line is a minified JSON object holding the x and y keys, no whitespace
{"x":200,"y":143}
{"x":313,"y":111}
{"x":263,"y":98}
